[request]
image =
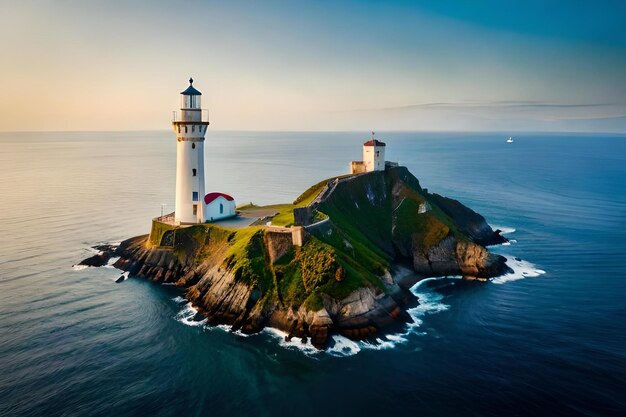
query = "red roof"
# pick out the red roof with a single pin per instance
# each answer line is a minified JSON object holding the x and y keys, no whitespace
{"x":374,"y":142}
{"x":212,"y":196}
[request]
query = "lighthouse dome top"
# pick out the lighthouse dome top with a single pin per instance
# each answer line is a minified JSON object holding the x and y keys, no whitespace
{"x":191,"y":91}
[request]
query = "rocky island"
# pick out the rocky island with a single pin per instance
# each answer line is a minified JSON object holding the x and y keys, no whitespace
{"x":328,"y":263}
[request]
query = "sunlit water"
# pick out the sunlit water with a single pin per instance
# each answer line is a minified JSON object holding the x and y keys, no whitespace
{"x":73,"y":342}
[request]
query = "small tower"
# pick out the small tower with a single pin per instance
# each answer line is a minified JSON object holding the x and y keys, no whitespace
{"x":374,"y":155}
{"x":190,"y":127}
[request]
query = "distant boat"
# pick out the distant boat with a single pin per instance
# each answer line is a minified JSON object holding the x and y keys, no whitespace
{"x":509,"y":140}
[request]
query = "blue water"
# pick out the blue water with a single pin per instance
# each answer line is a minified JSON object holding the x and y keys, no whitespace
{"x":73,"y":342}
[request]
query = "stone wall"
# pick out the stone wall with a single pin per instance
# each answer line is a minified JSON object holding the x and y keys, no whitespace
{"x":278,"y":244}
{"x":303,"y":216}
{"x":357,"y":167}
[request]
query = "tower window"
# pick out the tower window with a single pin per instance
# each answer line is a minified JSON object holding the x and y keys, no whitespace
{"x":185,"y":128}
{"x":377,"y":153}
{"x":193,"y":145}
{"x":221,"y":208}
{"x":193,"y":172}
{"x":194,"y":196}
{"x":193,"y":128}
{"x":195,"y":209}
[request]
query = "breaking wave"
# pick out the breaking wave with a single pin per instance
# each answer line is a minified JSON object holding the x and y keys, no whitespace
{"x":79,"y":267}
{"x":504,"y":230}
{"x":521,"y":269}
{"x":188,"y":314}
{"x":111,"y":262}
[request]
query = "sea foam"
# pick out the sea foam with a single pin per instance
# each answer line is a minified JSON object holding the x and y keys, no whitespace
{"x":79,"y":267}
{"x":111,"y":262}
{"x":504,"y":230}
{"x":187,"y":314}
{"x":521,"y":269}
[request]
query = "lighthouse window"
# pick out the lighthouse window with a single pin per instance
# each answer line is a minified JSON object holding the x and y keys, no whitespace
{"x":193,"y":128}
{"x":195,"y":209}
{"x":194,"y":196}
{"x":185,"y":129}
{"x":193,"y":172}
{"x":221,"y":208}
{"x":193,"y":145}
{"x":377,"y":152}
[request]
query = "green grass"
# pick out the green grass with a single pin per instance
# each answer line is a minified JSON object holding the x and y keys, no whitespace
{"x":248,"y":260}
{"x":291,"y":289}
{"x":314,"y":302}
{"x":311,"y":271}
{"x":309,"y":195}
{"x":319,"y":216}
{"x":284,"y":217}
{"x":353,"y":280}
{"x":157,"y":231}
{"x":239,"y":241}
{"x":318,"y":263}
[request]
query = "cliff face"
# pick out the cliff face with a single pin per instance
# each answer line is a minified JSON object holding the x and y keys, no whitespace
{"x":341,"y":279}
{"x":390,"y":211}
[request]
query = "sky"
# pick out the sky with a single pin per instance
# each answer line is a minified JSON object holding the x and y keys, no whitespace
{"x":430,"y":65}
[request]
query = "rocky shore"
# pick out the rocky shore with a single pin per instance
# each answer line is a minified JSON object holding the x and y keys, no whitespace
{"x":345,"y":277}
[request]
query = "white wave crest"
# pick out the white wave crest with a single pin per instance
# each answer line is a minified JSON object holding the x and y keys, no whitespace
{"x":342,"y":346}
{"x":229,"y":329}
{"x":521,"y":269}
{"x":79,"y":267}
{"x":111,"y":262}
{"x":339,"y":345}
{"x":504,"y":230}
{"x":295,"y":342}
{"x":430,"y":301}
{"x":187,"y":315}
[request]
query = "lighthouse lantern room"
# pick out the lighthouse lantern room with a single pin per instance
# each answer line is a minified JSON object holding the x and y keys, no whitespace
{"x":190,"y":127}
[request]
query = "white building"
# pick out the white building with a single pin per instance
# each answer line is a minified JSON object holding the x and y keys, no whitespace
{"x":190,"y":126}
{"x":218,"y":206}
{"x":373,"y":158}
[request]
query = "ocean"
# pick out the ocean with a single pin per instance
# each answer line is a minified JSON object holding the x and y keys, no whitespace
{"x":550,"y":340}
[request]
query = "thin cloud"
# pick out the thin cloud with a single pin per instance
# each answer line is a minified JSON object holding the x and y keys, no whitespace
{"x":491,"y":104}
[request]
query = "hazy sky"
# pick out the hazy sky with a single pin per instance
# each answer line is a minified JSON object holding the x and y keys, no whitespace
{"x":316,"y":65}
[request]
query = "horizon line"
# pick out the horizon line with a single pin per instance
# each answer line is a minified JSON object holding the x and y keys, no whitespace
{"x":334,"y":131}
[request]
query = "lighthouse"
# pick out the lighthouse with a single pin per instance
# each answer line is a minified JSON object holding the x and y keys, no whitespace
{"x":190,"y":127}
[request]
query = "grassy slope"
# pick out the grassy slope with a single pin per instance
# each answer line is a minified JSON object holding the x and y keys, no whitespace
{"x":285,"y":211}
{"x":353,"y":254}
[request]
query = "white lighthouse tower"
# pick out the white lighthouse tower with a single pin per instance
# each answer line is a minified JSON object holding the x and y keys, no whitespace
{"x":190,"y":127}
